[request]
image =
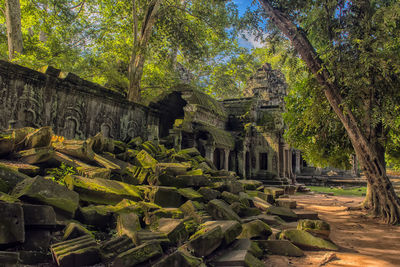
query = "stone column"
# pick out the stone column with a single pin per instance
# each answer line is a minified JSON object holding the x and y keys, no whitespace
{"x":257,"y":162}
{"x":284,"y":162}
{"x":226,"y":164}
{"x":209,"y":152}
{"x":244,"y":164}
{"x":298,"y":162}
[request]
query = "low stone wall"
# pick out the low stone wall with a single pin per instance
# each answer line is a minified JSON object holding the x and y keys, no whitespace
{"x":74,"y":107}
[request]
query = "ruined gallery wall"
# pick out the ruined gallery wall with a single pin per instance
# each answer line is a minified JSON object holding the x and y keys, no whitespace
{"x":75,"y":108}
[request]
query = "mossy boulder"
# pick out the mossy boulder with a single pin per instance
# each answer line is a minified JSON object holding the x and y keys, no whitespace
{"x":281,"y":247}
{"x":127,"y":224}
{"x":39,"y":138}
{"x":229,"y":197}
{"x":317,"y":228}
{"x":219,"y":210}
{"x":47,"y":192}
{"x":173,"y":228}
{"x":250,"y":184}
{"x":98,"y":216}
{"x":102,"y":191}
{"x":9,"y":178}
{"x":255,"y":230}
{"x":305,"y":240}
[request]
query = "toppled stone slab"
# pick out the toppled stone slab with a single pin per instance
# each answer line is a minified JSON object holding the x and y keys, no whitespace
{"x":208,"y":193}
{"x":205,"y":241}
{"x":317,"y":228}
{"x":268,"y":219}
{"x":145,"y":236}
{"x":47,"y":192}
{"x":261,"y":204}
{"x":255,"y":230}
{"x":76,"y":148}
{"x":37,"y":240}
{"x":238,"y":258}
{"x":113,"y":247}
{"x":173,"y":228}
{"x":281,"y":247}
{"x":138,"y":255}
{"x":180,"y":259}
{"x":7,"y":198}
{"x":39,"y":216}
{"x":264,"y":196}
{"x":74,"y":230}
{"x":102,"y":191}
{"x":305,"y":240}
{"x":282,"y":212}
{"x":128,"y":224}
{"x":229,"y":197}
{"x":287,"y":203}
{"x":135,"y":175}
{"x":21,"y":167}
{"x":39,"y":138}
{"x":219,"y":210}
{"x":98,"y":216}
{"x":274,"y":191}
{"x":165,"y":196}
{"x":145,"y":160}
{"x":9,"y":178}
{"x":6,"y":143}
{"x":172,"y":168}
{"x":306,"y":214}
{"x":11,"y":224}
{"x":9,"y":258}
{"x":190,"y":194}
{"x":230,"y":229}
{"x":36,"y":155}
{"x":250,"y":184}
{"x":249,"y":245}
{"x":81,"y":251}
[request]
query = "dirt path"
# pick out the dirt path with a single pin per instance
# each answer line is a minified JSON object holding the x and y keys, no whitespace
{"x":363,"y":241}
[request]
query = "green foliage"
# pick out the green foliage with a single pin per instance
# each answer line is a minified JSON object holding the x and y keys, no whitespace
{"x":58,"y":174}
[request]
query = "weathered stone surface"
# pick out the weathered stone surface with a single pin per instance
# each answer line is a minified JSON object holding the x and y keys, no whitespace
{"x":8,"y":258}
{"x":229,"y":197}
{"x":115,"y":246}
{"x":282,"y":212}
{"x":76,"y":148}
{"x":105,"y":163}
{"x":47,"y":192}
{"x":264,"y":196}
{"x":128,"y":224}
{"x":230,"y":229}
{"x":155,"y":215}
{"x":205,"y":241}
{"x":276,"y":192}
{"x":94,"y":172}
{"x":281,"y":247}
{"x":249,"y":245}
{"x":165,"y":196}
{"x":81,"y":251}
{"x":238,"y":258}
{"x":39,"y":216}
{"x":271,"y":220}
{"x":317,"y":228}
{"x":102,"y":191}
{"x":6,"y":143}
{"x":11,"y":224}
{"x":35,"y":258}
{"x":186,"y":180}
{"x":208,"y":193}
{"x":21,"y":167}
{"x":145,"y":160}
{"x":180,"y":259}
{"x":74,"y":230}
{"x":135,"y":175}
{"x":7,"y":198}
{"x":144,"y":236}
{"x":39,"y":138}
{"x":190,"y":194}
{"x":37,"y":240}
{"x":172,"y":168}
{"x":260,"y":204}
{"x":99,"y":216}
{"x":138,"y":255}
{"x":173,"y":228}
{"x":9,"y":178}
{"x":255,"y":229}
{"x":36,"y":155}
{"x":287,"y":203}
{"x":305,"y":240}
{"x":306,"y":214}
{"x":219,"y":210}
{"x":243,"y":210}
{"x":250,"y":184}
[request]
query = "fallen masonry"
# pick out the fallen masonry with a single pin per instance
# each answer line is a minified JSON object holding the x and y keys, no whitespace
{"x":100,"y":201}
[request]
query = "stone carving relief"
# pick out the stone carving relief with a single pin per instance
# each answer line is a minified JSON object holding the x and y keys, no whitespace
{"x":73,"y":116}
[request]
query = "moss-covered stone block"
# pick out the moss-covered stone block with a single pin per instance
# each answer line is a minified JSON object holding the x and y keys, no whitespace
{"x":180,"y":259}
{"x":255,"y":230}
{"x":137,"y":255}
{"x":36,"y":155}
{"x":209,"y":193}
{"x":244,"y":211}
{"x":284,"y":213}
{"x":98,"y":216}
{"x":127,"y":224}
{"x":39,"y":138}
{"x":281,"y":247}
{"x":6,"y":143}
{"x":230,"y":229}
{"x":115,"y":246}
{"x":237,"y":258}
{"x":190,"y":194}
{"x":12,"y":230}
{"x":205,"y":241}
{"x":219,"y":210}
{"x":47,"y":192}
{"x":102,"y":191}
{"x":74,"y":230}
{"x":229,"y":197}
{"x":9,"y":178}
{"x":173,"y":228}
{"x":317,"y":228}
{"x":164,"y":196}
{"x":305,"y":240}
{"x":250,"y":184}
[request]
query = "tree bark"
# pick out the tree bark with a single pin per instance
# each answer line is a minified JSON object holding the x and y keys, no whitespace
{"x":14,"y":33}
{"x":383,"y":200}
{"x":141,"y":40}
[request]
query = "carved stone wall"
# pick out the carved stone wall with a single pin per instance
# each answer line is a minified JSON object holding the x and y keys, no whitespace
{"x":75,"y":108}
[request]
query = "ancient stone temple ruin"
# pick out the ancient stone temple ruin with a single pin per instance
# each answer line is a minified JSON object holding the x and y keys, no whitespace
{"x":242,"y":135}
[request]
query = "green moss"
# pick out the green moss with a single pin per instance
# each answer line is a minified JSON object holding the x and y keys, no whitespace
{"x":189,"y":193}
{"x":340,"y":191}
{"x":306,"y":240}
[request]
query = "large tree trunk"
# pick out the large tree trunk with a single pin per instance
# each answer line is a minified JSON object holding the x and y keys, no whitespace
{"x":141,"y":40}
{"x":14,"y":33}
{"x":382,"y":198}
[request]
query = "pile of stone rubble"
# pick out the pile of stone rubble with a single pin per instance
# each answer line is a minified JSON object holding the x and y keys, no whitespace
{"x":101,"y":201}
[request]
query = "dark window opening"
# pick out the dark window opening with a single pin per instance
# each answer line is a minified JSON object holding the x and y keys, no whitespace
{"x":263,"y":161}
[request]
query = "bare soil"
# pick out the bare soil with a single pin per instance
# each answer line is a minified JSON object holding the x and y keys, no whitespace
{"x":363,"y":240}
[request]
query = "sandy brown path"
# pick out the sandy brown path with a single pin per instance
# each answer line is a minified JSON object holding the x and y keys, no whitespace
{"x":364,"y":241}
